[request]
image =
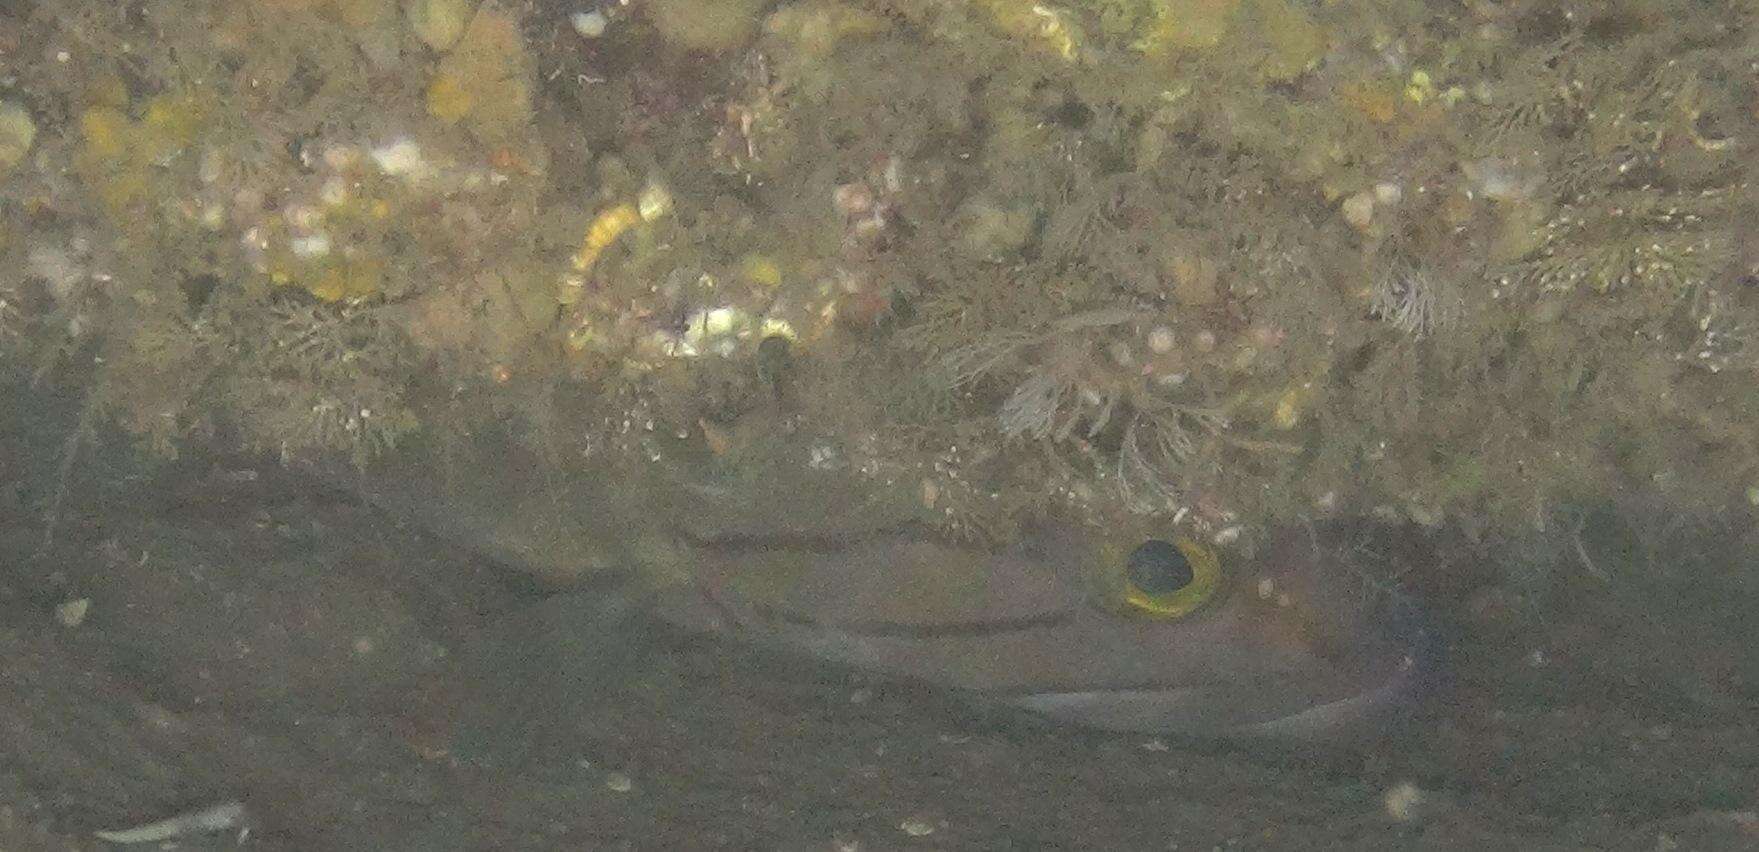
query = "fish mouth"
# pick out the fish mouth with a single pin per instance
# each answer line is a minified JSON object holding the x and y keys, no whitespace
{"x":1265,"y":711}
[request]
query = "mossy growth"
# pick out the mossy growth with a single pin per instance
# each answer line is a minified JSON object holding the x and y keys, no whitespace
{"x":1220,"y":261}
{"x":130,"y":152}
{"x":17,"y":134}
{"x":486,"y":80}
{"x":716,"y":25}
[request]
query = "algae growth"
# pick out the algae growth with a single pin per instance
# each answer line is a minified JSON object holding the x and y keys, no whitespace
{"x":1211,"y":264}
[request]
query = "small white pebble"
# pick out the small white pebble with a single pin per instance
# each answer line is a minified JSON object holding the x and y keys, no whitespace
{"x":589,"y":24}
{"x":341,"y":157}
{"x":1161,"y":340}
{"x":916,"y":827}
{"x":1358,"y":210}
{"x":401,"y":158}
{"x":1403,"y":801}
{"x":653,"y":202}
{"x":334,"y":191}
{"x":1499,"y":179}
{"x":617,"y":782}
{"x":316,"y":245}
{"x":302,"y":216}
{"x":212,"y":166}
{"x":73,"y":613}
{"x":58,"y":266}
{"x":852,"y":199}
{"x":1387,"y":193}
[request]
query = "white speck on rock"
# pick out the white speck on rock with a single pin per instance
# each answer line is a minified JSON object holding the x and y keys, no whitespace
{"x":589,"y":24}
{"x":73,"y":613}
{"x":402,"y":158}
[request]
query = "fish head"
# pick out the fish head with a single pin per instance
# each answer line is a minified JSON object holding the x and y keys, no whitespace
{"x":1303,"y":640}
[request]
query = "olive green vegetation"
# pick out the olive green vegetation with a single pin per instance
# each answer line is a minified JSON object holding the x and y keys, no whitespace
{"x":1222,"y":261}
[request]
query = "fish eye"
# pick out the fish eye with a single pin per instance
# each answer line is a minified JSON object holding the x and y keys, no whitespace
{"x":1170,"y":579}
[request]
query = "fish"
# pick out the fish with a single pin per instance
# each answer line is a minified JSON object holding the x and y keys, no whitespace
{"x":1289,"y":648}
{"x":1290,"y":644}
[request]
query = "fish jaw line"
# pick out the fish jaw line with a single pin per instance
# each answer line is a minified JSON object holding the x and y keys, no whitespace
{"x":1379,"y":703}
{"x":1194,"y":709}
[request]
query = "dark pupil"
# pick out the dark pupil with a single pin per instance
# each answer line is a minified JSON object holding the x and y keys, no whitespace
{"x":1158,"y":567}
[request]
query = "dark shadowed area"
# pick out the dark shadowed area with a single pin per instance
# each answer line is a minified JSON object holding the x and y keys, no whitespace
{"x":252,"y":637}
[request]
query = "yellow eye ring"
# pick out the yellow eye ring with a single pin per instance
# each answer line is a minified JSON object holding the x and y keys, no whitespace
{"x":1170,"y":579}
